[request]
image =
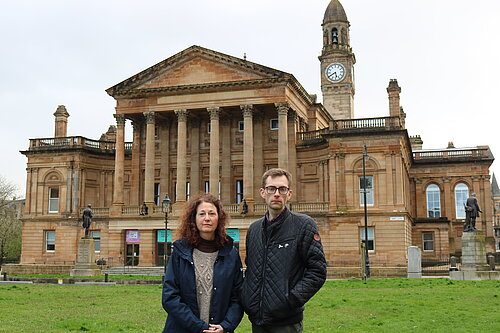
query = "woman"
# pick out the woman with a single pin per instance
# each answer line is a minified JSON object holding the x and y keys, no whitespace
{"x":204,"y":275}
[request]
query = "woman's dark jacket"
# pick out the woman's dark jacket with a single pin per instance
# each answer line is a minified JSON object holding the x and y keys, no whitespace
{"x":179,"y":290}
{"x":286,"y":266}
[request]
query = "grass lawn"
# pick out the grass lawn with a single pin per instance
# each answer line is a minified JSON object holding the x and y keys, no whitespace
{"x":379,"y":305}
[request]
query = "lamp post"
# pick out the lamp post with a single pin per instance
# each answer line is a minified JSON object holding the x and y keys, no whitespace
{"x":167,"y":208}
{"x":367,"y":261}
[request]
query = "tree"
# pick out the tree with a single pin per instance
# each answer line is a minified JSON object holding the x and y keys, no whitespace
{"x":10,"y":225}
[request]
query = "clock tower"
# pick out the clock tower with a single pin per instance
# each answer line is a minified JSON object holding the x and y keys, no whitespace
{"x":337,"y":63}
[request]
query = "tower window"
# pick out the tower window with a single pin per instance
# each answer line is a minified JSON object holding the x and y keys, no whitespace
{"x":335,"y":36}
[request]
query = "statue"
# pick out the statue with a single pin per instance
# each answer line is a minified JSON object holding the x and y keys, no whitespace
{"x":87,"y":219}
{"x":472,"y":211}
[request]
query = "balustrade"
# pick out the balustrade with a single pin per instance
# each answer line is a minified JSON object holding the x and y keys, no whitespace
{"x":75,"y":142}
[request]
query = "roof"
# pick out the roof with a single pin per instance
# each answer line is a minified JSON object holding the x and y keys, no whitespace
{"x":335,"y":13}
{"x":494,"y":186}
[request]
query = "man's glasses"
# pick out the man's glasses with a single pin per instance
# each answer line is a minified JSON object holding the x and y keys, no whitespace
{"x":272,"y":189}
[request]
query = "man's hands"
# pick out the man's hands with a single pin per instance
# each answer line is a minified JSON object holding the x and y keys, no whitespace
{"x":214,"y":329}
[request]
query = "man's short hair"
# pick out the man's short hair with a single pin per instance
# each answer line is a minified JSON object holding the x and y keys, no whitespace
{"x":276,"y":172}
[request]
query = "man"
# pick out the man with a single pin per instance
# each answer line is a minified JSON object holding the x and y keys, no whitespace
{"x":87,"y":219}
{"x":472,"y":211}
{"x":285,"y":261}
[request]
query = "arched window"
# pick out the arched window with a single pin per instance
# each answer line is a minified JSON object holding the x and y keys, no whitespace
{"x":433,"y":195}
{"x":461,"y":195}
{"x":335,"y":36}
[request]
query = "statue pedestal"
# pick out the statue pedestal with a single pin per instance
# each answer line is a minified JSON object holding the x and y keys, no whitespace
{"x":85,"y":260}
{"x":474,"y":266}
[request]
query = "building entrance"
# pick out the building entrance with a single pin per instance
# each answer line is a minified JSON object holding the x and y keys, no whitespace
{"x":132,"y":252}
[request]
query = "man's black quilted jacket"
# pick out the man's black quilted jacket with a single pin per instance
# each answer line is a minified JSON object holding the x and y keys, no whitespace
{"x":286,"y":266}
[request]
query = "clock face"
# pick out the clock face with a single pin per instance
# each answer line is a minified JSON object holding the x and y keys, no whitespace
{"x":335,"y":72}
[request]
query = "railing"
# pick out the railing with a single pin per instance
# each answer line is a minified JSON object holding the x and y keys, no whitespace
{"x":97,"y":211}
{"x":260,"y":208}
{"x":75,"y":142}
{"x":232,"y":208}
{"x":452,"y":153}
{"x":309,"y":206}
{"x":131,"y":210}
{"x":367,"y":123}
{"x":348,"y":125}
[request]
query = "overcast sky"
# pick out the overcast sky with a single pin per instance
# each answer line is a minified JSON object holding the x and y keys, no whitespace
{"x":445,"y":55}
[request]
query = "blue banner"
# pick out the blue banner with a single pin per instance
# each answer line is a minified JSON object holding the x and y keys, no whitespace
{"x":234,"y":234}
{"x":160,"y":236}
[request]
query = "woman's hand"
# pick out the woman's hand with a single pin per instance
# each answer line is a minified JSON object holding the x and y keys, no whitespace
{"x":214,"y":329}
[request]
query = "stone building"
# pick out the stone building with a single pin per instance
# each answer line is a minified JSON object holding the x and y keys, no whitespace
{"x":207,"y":121}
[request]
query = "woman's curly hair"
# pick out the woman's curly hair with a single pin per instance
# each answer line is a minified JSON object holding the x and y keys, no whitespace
{"x":188,"y":229}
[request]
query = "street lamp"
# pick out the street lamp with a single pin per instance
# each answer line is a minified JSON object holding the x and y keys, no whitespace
{"x":367,"y":261}
{"x":167,"y":208}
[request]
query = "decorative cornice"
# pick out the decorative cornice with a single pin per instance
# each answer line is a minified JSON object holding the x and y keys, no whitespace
{"x":120,"y":119}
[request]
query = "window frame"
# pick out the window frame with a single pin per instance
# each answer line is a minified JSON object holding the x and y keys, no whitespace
{"x":50,"y":241}
{"x":271,"y":121}
{"x":241,"y":125}
{"x":53,"y":200}
{"x":370,"y":193}
{"x":433,"y":189}
{"x":459,"y":206}
{"x":239,"y":191}
{"x":428,"y":241}
{"x":371,"y":237}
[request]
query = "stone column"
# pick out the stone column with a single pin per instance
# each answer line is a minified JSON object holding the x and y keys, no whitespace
{"x":248,"y":159}
{"x":181,"y":154}
{"x":226,"y":186}
{"x":119,"y":159}
{"x":292,"y":153}
{"x":165,"y":159}
{"x":195,"y":173}
{"x":136,"y":164}
{"x":214,"y":150}
{"x":282,"y":135}
{"x":69,"y":190}
{"x":332,"y":182}
{"x":149,"y":168}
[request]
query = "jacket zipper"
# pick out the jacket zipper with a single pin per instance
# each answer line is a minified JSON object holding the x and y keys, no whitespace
{"x":263,"y":276}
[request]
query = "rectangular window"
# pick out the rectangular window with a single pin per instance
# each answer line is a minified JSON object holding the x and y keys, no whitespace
{"x":368,"y":184}
{"x":157,"y":194}
{"x":96,"y":236}
{"x":53,"y":199}
{"x":50,"y":241}
{"x":274,"y":124}
{"x":239,"y":191}
{"x":188,"y":190}
{"x":207,"y":186}
{"x":428,"y":239}
{"x":209,"y":127}
{"x":371,"y":237}
{"x":241,"y":126}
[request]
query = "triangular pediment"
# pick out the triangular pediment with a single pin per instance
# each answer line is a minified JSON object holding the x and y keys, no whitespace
{"x":196,"y":66}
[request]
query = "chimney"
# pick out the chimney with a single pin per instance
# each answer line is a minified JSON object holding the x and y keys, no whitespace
{"x":61,"y":125}
{"x":416,"y":142}
{"x":394,"y":90}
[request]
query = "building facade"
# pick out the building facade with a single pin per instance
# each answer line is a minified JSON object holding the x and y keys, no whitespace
{"x":207,"y":121}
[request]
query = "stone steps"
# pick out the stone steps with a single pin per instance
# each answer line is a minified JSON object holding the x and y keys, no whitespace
{"x":134,"y":270}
